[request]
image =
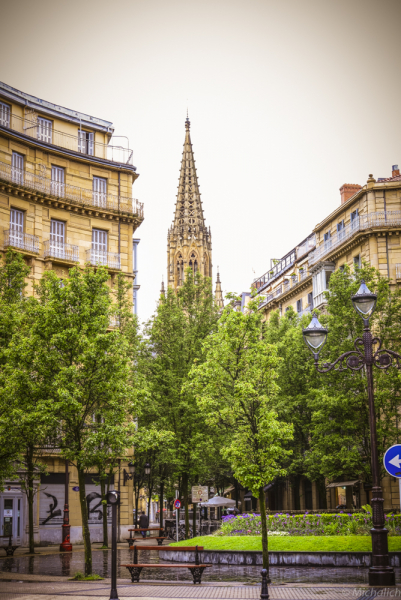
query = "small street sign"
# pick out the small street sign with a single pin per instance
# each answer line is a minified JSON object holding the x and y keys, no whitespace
{"x":177,"y":504}
{"x":75,"y":488}
{"x":392,"y":461}
{"x":200,"y":493}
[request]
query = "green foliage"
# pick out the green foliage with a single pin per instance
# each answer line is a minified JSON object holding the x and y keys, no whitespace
{"x":236,"y":388}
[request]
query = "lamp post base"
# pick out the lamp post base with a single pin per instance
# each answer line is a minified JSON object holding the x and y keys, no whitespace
{"x":381,"y":577}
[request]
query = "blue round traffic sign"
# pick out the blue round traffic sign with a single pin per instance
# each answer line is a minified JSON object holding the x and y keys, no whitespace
{"x":177,"y":504}
{"x":392,"y":461}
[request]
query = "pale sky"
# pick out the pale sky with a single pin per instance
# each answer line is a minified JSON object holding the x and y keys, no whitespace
{"x":288,"y":100}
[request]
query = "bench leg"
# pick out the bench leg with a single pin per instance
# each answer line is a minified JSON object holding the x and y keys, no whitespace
{"x":159,"y":542}
{"x":197,"y":574}
{"x":135,"y":573}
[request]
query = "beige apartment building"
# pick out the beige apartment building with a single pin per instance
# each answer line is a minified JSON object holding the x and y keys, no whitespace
{"x":65,"y":200}
{"x":366,"y":225}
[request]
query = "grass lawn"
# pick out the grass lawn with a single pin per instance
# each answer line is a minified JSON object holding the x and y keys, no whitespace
{"x":334,"y":543}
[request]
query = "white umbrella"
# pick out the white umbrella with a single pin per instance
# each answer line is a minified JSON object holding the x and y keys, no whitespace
{"x":219,"y":501}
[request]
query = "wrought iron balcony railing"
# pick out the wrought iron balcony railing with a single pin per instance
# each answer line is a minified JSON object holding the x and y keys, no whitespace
{"x":71,"y":193}
{"x":23,"y":241}
{"x":391,"y":218}
{"x":106,"y":259}
{"x":83,"y":142}
{"x":287,"y":285}
{"x":61,"y":251}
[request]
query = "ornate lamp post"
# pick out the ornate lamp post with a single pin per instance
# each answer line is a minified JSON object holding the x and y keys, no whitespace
{"x":368,"y":352}
{"x":65,"y":545}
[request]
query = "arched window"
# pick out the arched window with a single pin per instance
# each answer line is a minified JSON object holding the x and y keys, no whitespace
{"x":180,"y":270}
{"x":193,"y":262}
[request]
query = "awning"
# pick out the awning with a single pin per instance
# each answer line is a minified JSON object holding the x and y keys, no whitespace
{"x":228,"y":490}
{"x":268,"y":486}
{"x":342,"y":484}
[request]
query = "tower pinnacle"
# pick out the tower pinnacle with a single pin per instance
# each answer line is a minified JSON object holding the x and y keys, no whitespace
{"x":218,"y":294}
{"x":189,"y":240}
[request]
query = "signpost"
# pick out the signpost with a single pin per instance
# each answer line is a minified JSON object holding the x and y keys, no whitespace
{"x":200,"y":493}
{"x":177,"y":506}
{"x":392,"y":463}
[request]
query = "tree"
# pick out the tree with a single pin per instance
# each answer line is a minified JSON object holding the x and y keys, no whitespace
{"x":235,"y":386}
{"x":175,"y":335}
{"x":85,"y":368}
{"x":340,"y":436}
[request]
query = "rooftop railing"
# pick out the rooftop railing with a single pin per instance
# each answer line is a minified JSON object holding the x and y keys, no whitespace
{"x":83,"y":142}
{"x":65,"y":191}
{"x":60,"y":251}
{"x":23,"y":241}
{"x":103,"y":258}
{"x":391,"y":218}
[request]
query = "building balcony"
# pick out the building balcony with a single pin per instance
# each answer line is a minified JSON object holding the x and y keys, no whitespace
{"x":288,"y":285}
{"x":64,"y":192}
{"x":60,"y":252}
{"x":82,"y":143}
{"x":97,"y":258}
{"x":21,"y":241}
{"x":377,"y":220}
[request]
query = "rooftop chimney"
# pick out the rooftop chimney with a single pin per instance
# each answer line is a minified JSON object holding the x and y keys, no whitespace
{"x":347,"y":190}
{"x":396,"y":171}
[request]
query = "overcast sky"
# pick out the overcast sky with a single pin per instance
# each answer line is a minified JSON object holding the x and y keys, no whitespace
{"x":288,"y":100}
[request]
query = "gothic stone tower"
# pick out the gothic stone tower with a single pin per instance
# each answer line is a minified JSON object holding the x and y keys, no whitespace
{"x":189,"y":241}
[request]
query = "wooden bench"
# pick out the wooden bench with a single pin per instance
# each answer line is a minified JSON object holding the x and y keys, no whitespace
{"x":10,"y":549}
{"x":196,"y":569}
{"x":133,"y":540}
{"x":158,"y":538}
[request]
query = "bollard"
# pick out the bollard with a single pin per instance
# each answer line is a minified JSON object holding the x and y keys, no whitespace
{"x":264,"y":594}
{"x":113,"y":498}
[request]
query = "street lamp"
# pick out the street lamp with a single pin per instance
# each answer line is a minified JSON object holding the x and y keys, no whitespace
{"x":364,"y":355}
{"x":113,"y":498}
{"x":65,"y":545}
{"x":147,"y":469}
{"x":130,"y":475}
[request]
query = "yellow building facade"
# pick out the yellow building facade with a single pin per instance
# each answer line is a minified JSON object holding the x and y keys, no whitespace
{"x":65,"y":200}
{"x":366,"y":226}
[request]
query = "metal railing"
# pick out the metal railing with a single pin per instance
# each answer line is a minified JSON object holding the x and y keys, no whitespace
{"x":293,"y":281}
{"x":77,"y":143}
{"x":23,"y":241}
{"x":306,"y":246}
{"x":106,"y":259}
{"x":305,"y":311}
{"x":72,"y":193}
{"x":391,"y":218}
{"x":61,"y":251}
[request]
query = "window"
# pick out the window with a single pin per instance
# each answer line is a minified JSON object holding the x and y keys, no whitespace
{"x":86,"y":142}
{"x":16,"y":227}
{"x":287,"y":309}
{"x":57,"y":182}
{"x":4,"y":115}
{"x":354,"y":219}
{"x":100,"y":192}
{"x":327,"y":237}
{"x":45,"y":130}
{"x":57,"y":238}
{"x":299,"y":306}
{"x":341,"y":268}
{"x":340,"y":230}
{"x":17,"y":168}
{"x":321,"y":284}
{"x":310,"y":300}
{"x":99,"y":247}
{"x":357,"y":262}
{"x":193,"y":263}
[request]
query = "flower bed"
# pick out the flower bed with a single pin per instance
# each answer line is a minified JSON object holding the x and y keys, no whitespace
{"x":307,"y":524}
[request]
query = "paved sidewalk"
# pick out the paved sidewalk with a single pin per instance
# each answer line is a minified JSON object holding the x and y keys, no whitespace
{"x":14,"y":590}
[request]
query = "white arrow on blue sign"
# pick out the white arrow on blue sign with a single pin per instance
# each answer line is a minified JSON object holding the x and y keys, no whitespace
{"x":392,"y":461}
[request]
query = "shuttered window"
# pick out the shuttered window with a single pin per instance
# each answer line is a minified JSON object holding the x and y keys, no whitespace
{"x":45,"y":130}
{"x":86,"y":142}
{"x":16,"y":227}
{"x":57,"y":237}
{"x":99,"y":247}
{"x":4,"y":114}
{"x":57,"y":182}
{"x":100,"y":191}
{"x":17,"y":168}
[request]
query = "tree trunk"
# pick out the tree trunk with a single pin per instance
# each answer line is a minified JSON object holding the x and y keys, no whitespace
{"x":150,"y":490}
{"x":185,"y":498}
{"x":84,"y":518}
{"x":236,"y":493}
{"x":161,"y":502}
{"x":104,"y":507}
{"x":265,"y":547}
{"x":30,"y":497}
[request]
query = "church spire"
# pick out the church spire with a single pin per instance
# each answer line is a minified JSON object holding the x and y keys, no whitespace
{"x":218,"y":294}
{"x":189,"y":240}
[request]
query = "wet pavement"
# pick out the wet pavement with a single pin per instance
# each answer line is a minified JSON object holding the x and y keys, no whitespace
{"x":67,"y":564}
